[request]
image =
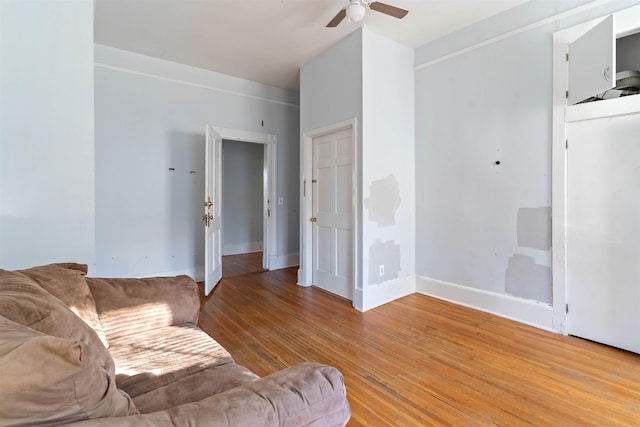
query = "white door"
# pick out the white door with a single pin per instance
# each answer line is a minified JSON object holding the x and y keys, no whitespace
{"x":603,"y":231}
{"x":592,"y":61}
{"x":212,"y":212}
{"x":333,"y":213}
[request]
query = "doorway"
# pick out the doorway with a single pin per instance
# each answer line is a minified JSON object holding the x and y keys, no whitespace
{"x":242,"y":201}
{"x":213,"y":197}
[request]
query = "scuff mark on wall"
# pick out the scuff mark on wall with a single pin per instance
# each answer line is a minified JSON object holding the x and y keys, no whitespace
{"x":385,"y":254}
{"x":383,"y":201}
{"x":526,"y":279}
{"x":534,"y":228}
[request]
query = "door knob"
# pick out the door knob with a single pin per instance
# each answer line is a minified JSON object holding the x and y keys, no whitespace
{"x":314,"y":219}
{"x":208,"y":203}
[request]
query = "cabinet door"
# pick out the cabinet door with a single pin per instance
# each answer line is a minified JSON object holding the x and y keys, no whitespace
{"x":603,"y":231}
{"x":592,"y":61}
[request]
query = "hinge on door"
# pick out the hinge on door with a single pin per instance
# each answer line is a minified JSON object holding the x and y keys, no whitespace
{"x":566,"y":94}
{"x":566,"y":144}
{"x":567,"y":56}
{"x":566,"y":308}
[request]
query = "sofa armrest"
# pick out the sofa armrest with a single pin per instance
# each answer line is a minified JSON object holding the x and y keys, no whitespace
{"x":308,"y":394}
{"x":126,"y":305}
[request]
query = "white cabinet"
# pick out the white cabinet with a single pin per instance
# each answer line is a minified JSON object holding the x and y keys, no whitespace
{"x":592,"y":61}
{"x":596,"y":183}
{"x":598,"y":51}
{"x":603,"y":230}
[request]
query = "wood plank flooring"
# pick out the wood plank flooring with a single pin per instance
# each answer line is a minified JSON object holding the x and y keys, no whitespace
{"x":236,"y":265}
{"x":420,"y":361}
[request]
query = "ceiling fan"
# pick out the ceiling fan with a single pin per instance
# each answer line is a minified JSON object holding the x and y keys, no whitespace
{"x":355,"y":11}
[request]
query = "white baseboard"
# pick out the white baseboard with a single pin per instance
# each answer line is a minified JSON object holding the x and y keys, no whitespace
{"x":283,"y":261}
{"x":196,"y":273}
{"x":241,"y":248}
{"x":529,"y":312}
{"x":377,"y":295}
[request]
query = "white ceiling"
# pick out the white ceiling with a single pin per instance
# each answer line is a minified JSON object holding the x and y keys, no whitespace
{"x":267,"y":40}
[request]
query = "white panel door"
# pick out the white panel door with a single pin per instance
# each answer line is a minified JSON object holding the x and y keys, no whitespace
{"x":603,"y":231}
{"x":212,"y":212}
{"x":333,"y":213}
{"x":592,"y":61}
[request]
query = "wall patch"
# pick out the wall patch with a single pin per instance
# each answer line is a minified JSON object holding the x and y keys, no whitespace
{"x":526,"y":279}
{"x":383,"y":201}
{"x":385,"y":254}
{"x":534,"y":228}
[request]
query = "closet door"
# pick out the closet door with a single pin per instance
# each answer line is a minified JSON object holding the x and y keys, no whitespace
{"x":603,"y":230}
{"x":592,"y":61}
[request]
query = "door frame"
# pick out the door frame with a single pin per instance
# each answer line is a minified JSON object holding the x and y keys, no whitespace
{"x":305,"y":273}
{"x":269,"y":181}
{"x":561,"y":41}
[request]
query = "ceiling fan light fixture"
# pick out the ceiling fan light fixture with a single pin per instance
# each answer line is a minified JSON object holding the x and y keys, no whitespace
{"x":355,"y":12}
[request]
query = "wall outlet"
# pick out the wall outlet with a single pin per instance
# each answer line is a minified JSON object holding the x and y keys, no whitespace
{"x":381,"y":270}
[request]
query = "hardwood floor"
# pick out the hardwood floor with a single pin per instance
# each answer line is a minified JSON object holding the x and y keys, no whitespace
{"x":236,"y":265}
{"x":421,"y":361}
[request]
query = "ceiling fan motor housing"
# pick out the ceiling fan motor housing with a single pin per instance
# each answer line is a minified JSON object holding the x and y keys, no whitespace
{"x":355,"y":11}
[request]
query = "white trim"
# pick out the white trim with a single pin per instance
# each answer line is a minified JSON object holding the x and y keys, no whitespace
{"x":301,"y":281}
{"x":196,"y":273}
{"x":561,"y":40}
{"x":616,"y":107}
{"x":269,"y":214}
{"x":283,"y":261}
{"x":241,"y":248}
{"x":377,"y":295}
{"x":529,"y":312}
{"x":305,"y":273}
{"x":245,"y":135}
{"x":192,"y":84}
{"x":508,"y":34}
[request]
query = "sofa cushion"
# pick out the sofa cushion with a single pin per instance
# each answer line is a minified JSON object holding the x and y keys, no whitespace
{"x":146,"y":360}
{"x":67,"y":283}
{"x":308,"y":394}
{"x":48,"y":380}
{"x":126,"y":306}
{"x":194,"y":387}
{"x":23,"y":301}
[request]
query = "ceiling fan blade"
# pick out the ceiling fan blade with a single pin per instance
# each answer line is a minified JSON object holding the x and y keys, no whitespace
{"x":387,"y":9}
{"x":338,"y":18}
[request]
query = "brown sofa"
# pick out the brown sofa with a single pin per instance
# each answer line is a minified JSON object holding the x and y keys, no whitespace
{"x":127,"y":352}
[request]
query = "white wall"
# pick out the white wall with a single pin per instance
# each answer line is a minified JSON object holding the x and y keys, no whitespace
{"x":151,"y":116}
{"x":331,"y":85}
{"x":331,"y":92}
{"x":474,"y":110}
{"x":46,"y":132}
{"x":370,"y":78}
{"x":242,"y":197}
{"x":388,"y":175}
{"x":484,"y":95}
